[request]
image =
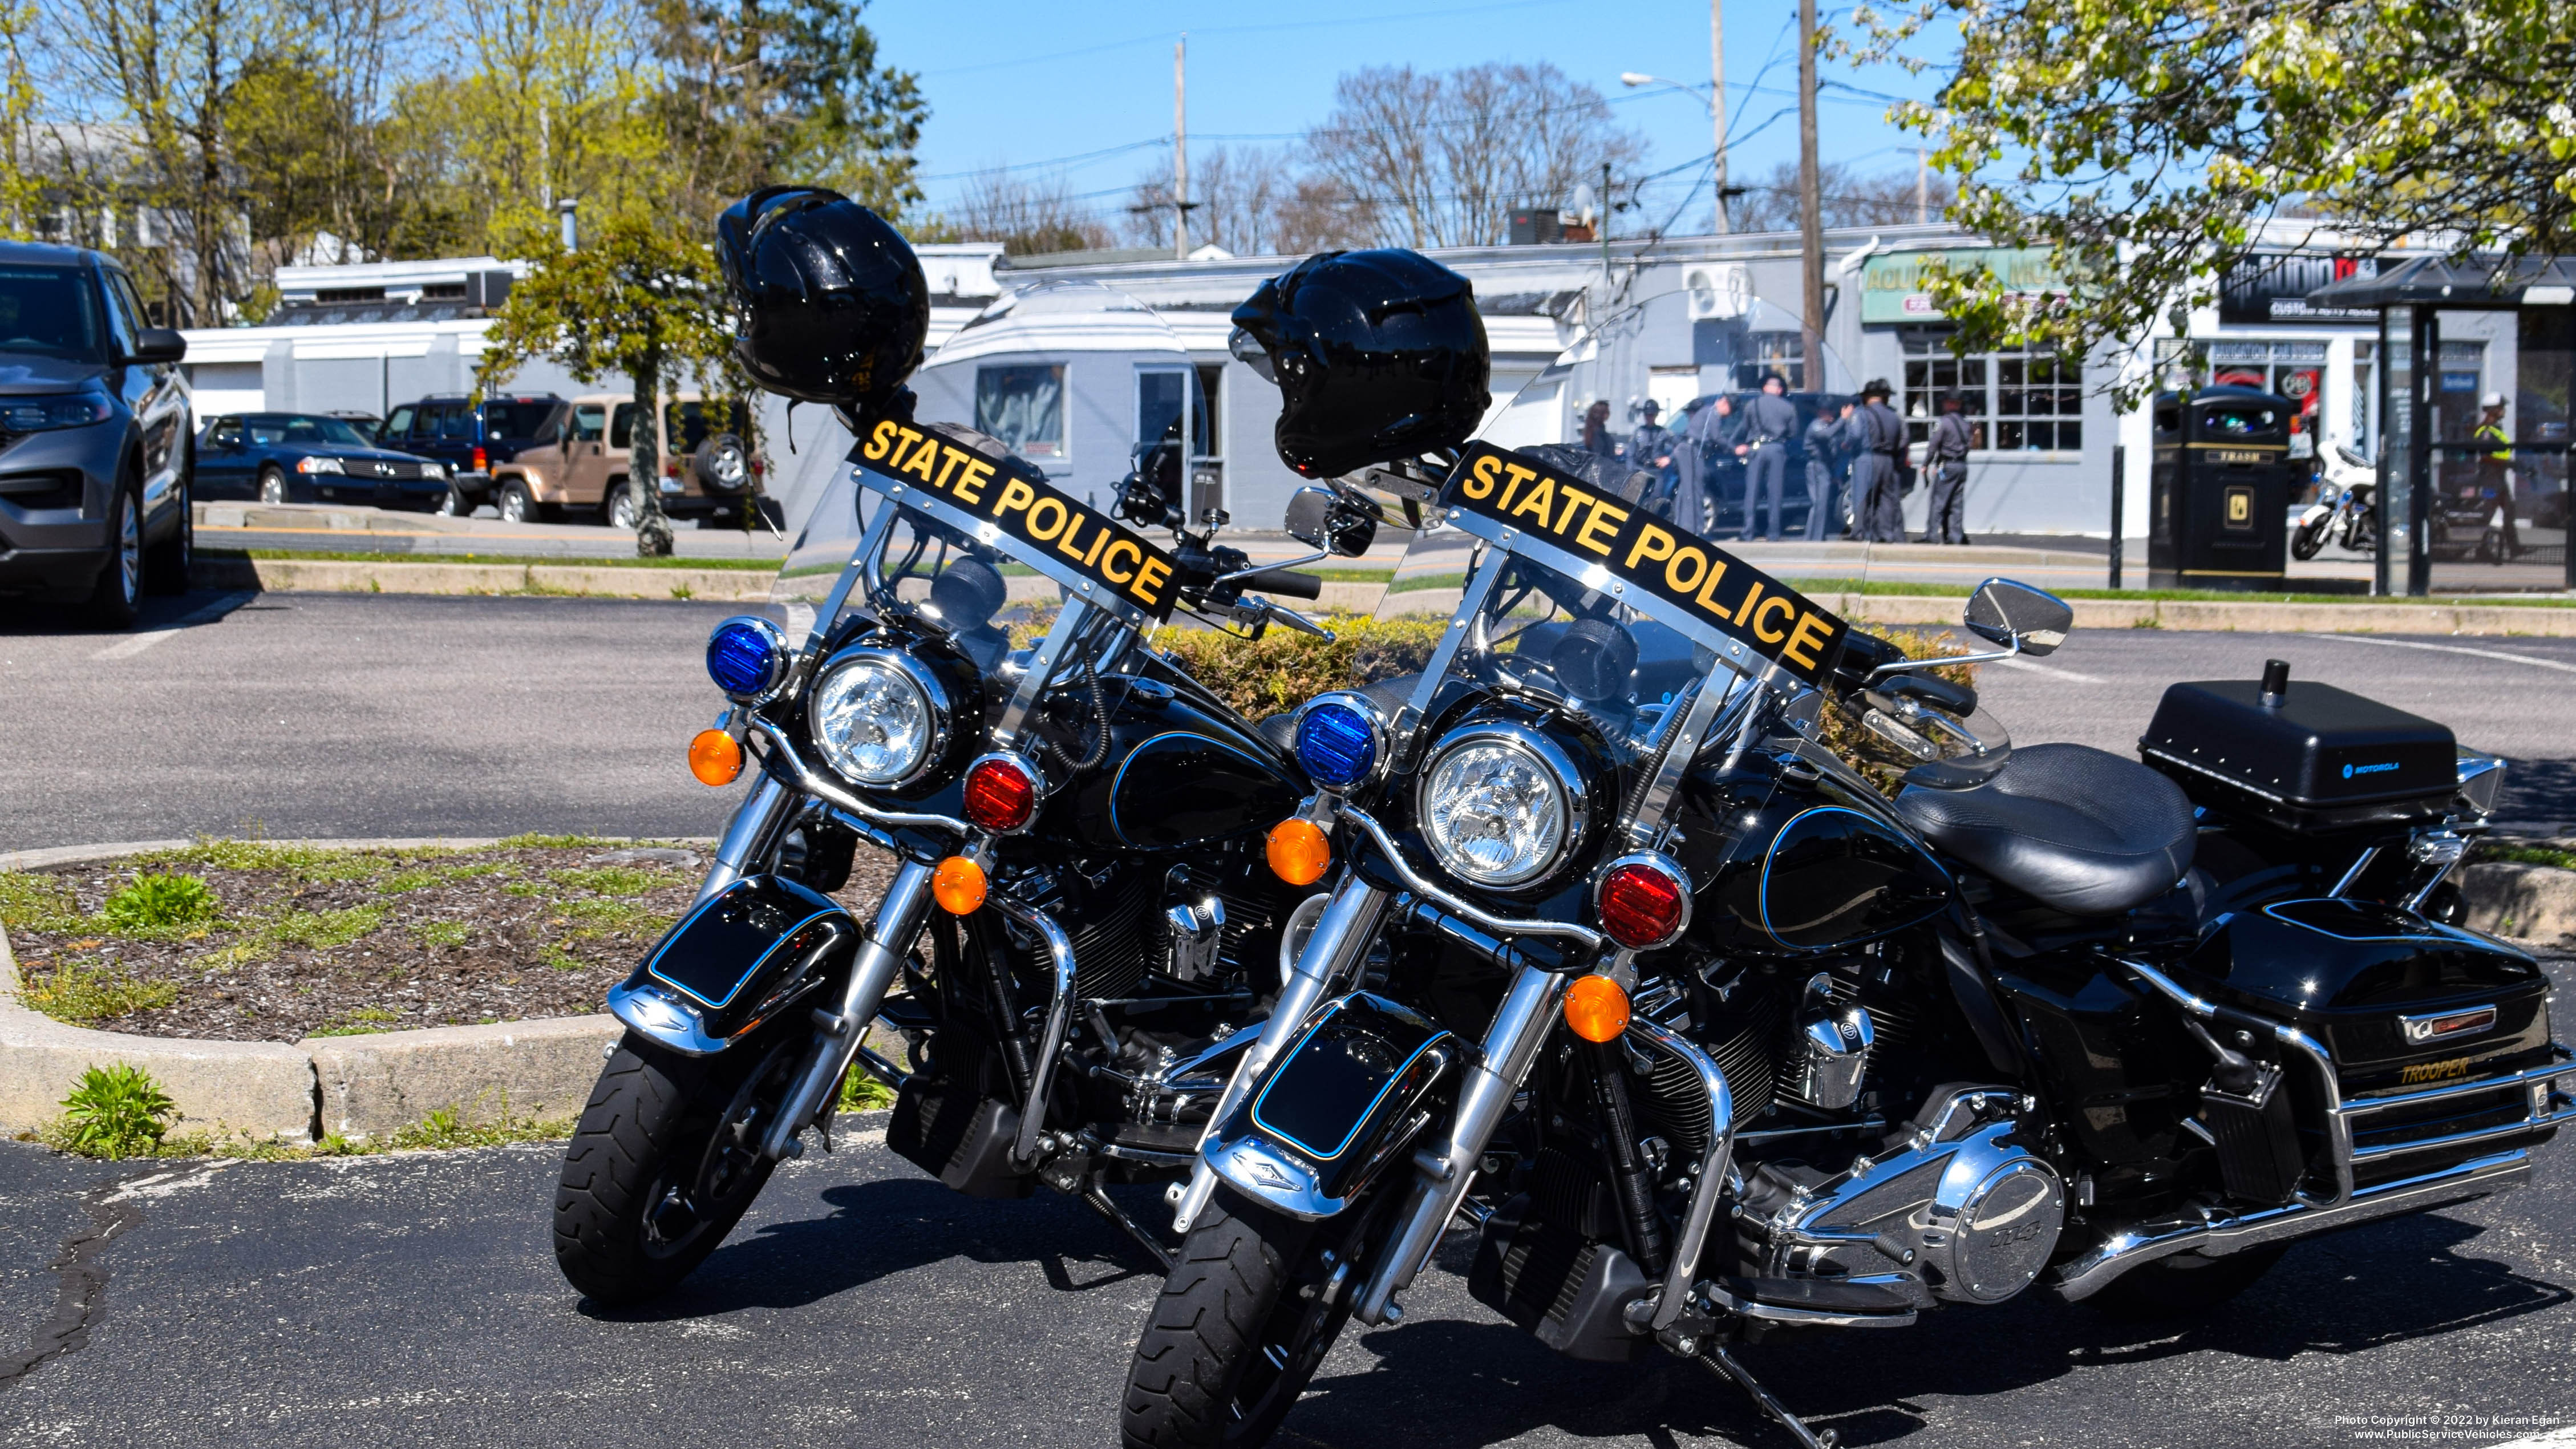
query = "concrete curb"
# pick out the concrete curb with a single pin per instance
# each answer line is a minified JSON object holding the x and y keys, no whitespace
{"x":349,"y":576}
{"x":2531,"y":902}
{"x":2209,"y":615}
{"x":360,"y":1087}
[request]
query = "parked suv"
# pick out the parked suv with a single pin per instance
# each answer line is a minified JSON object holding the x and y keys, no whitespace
{"x":94,"y":437}
{"x":580,"y":469}
{"x":473,"y":440}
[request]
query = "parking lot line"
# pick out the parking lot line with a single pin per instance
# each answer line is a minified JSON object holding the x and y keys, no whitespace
{"x":135,"y":644}
{"x":2557,"y":664}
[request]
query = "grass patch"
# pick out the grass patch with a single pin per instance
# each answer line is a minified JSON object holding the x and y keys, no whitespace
{"x":623,"y":561}
{"x":2529,"y":855}
{"x":610,"y":880}
{"x":323,"y":930}
{"x":363,"y":1021}
{"x":33,"y":901}
{"x":533,"y":841}
{"x":862,"y":1092}
{"x":154,"y":902}
{"x":436,"y":934}
{"x":87,"y":995}
{"x":114,"y":1111}
{"x":446,"y":1128}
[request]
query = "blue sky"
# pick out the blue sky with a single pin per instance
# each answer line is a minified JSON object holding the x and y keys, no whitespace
{"x":1023,"y":81}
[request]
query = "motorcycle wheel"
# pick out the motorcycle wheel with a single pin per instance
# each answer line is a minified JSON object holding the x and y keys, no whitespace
{"x":2183,"y":1285}
{"x":1243,"y":1322}
{"x":665,"y":1161}
{"x":2310,"y":538}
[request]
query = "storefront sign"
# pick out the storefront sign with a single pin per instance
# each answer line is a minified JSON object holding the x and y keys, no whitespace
{"x":2274,"y":287}
{"x":1892,"y":286}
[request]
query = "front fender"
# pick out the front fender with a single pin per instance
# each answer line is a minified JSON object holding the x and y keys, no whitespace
{"x":735,"y":961}
{"x":1344,"y":1098}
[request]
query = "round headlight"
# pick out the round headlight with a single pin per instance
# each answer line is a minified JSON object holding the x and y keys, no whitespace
{"x":1500,"y":805}
{"x":1337,"y":741}
{"x":747,"y":657}
{"x":878,"y":717}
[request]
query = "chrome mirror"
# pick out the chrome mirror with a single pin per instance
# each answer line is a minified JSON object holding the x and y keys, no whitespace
{"x":1310,"y":514}
{"x":2019,"y":617}
{"x":1332,"y":520}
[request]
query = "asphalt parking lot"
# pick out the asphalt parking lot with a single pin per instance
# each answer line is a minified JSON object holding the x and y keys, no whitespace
{"x":381,"y":715}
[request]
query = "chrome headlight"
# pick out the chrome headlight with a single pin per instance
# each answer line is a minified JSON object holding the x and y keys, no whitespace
{"x":878,"y":717}
{"x":1500,"y":804}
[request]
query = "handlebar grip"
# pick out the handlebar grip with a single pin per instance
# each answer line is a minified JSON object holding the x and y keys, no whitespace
{"x":1288,"y":583}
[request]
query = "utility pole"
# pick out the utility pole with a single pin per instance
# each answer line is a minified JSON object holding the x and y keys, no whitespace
{"x":1180,"y":150}
{"x":1717,"y":106}
{"x":1811,"y":220}
{"x":1922,"y":186}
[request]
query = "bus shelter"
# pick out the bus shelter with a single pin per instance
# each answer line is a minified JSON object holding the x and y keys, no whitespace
{"x":2474,"y":403}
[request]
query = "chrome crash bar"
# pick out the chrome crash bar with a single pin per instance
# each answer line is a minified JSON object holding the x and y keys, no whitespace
{"x":782,"y":757}
{"x":1502,"y":926}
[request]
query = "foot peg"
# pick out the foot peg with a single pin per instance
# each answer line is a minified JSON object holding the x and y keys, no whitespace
{"x":1723,"y":1364}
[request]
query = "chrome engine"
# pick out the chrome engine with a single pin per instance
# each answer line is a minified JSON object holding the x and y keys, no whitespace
{"x":1954,"y":1207}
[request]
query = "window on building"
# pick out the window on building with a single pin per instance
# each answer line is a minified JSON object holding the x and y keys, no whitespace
{"x":1024,"y":407}
{"x":1207,"y":439}
{"x":2019,"y":401}
{"x":1781,"y":353}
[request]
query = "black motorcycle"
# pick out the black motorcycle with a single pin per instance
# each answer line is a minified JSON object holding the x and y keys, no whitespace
{"x":1705,"y":1038}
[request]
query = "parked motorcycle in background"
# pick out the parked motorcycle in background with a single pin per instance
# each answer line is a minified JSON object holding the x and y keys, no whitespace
{"x":1706,"y":1038}
{"x":2345,"y":513}
{"x":1075,"y":821}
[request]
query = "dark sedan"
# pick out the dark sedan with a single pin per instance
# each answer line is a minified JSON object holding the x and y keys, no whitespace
{"x":313,"y":458}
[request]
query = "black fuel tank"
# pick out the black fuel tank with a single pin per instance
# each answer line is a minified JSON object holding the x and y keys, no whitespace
{"x":1814,"y":869}
{"x":2394,"y":996}
{"x":1179,"y":776}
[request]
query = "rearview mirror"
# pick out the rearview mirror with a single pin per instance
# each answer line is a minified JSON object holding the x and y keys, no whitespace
{"x":158,"y":344}
{"x":1322,"y":518}
{"x":1310,"y":512}
{"x":2019,"y":617}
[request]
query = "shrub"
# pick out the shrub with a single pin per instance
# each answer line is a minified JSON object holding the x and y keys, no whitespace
{"x":1284,"y":668}
{"x":158,"y":902}
{"x":115,"y":1111}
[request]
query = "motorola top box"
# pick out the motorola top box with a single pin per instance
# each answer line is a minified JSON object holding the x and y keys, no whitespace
{"x":2302,"y":756}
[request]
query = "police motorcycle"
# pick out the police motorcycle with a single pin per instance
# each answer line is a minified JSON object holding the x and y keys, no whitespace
{"x":1703,"y":1038}
{"x":2344,"y":513}
{"x":1079,"y":916}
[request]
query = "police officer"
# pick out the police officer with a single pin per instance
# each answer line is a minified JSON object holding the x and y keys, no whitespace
{"x":1877,"y":440}
{"x":1770,"y":421}
{"x":1711,"y":432}
{"x":1826,"y":445}
{"x":1947,"y":456}
{"x":2495,"y":470}
{"x":1651,"y":448}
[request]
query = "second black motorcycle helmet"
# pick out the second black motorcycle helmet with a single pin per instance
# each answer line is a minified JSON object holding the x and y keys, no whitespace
{"x":830,"y":303}
{"x":1378,"y":355}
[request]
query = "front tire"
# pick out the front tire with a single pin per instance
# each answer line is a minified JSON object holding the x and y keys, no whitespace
{"x":514,"y":505}
{"x":272,"y":486}
{"x":620,"y":512}
{"x":2309,"y":538}
{"x":166,"y":564}
{"x":1244,"y":1320}
{"x":665,"y":1162}
{"x":117,"y":597}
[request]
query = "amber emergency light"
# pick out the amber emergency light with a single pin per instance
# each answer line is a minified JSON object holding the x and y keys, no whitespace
{"x":1596,"y":1008}
{"x":715,"y":757}
{"x":1299,"y":853}
{"x":958,"y":886}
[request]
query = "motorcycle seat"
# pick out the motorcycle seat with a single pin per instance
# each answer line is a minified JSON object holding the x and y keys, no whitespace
{"x":2079,"y":829}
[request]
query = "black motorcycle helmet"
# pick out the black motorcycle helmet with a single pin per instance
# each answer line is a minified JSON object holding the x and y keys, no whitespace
{"x":1378,"y":355}
{"x":830,"y":302}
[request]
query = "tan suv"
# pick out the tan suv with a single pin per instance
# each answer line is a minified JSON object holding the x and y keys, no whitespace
{"x":578,"y":467}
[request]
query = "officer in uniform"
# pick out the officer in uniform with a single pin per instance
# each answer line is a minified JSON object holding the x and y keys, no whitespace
{"x":1877,"y":440}
{"x":2495,"y":470}
{"x":1711,"y":432}
{"x":1947,"y":456}
{"x":1651,"y":448}
{"x":1770,"y":421}
{"x":1826,"y":445}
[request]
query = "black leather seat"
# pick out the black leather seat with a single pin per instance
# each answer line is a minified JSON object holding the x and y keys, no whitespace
{"x":2084,"y":831}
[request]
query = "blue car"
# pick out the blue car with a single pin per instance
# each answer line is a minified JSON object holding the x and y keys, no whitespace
{"x":314,"y":458}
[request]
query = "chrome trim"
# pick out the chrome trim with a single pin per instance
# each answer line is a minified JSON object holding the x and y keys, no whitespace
{"x":756,"y":822}
{"x":1483,"y":574}
{"x":2352,"y":873}
{"x":2216,"y":1233}
{"x":813,"y":782}
{"x":2425,"y":1026}
{"x":2481,"y":780}
{"x":1575,"y":790}
{"x":656,"y":1013}
{"x":1663,"y":865}
{"x":872,"y":973}
{"x":1812,"y":1317}
{"x":1069,"y":621}
{"x":1714,"y":1165}
{"x":1367,"y":710}
{"x":782,"y":656}
{"x":1059,"y":949}
{"x":1686,"y":729}
{"x":1450,"y":902}
{"x":1262,"y":1172}
{"x":934,"y":701}
{"x":1026,"y":766}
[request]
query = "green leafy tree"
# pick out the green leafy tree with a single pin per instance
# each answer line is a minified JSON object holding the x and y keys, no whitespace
{"x":640,"y":298}
{"x":2146,"y":142}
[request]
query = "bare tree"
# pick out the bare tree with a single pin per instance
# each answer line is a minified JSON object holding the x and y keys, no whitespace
{"x":1441,"y":159}
{"x":1026,"y":216}
{"x":1884,"y":198}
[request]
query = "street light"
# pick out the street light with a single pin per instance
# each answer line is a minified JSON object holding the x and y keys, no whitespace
{"x":1715,"y":100}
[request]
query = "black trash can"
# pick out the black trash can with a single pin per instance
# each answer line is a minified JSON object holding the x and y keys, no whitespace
{"x":2222,"y":484}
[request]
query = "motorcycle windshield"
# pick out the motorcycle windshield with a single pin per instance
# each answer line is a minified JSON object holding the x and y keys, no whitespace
{"x":1567,"y":571}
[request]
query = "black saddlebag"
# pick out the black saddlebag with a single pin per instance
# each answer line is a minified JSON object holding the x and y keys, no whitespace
{"x":2449,"y":1029}
{"x":2321,"y":760}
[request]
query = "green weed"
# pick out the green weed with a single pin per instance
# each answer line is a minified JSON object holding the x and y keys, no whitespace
{"x":446,"y":1127}
{"x":610,"y":880}
{"x":154,"y":902}
{"x":323,"y":930}
{"x":862,"y":1092}
{"x":534,"y":841}
{"x":444,"y":933}
{"x":115,"y":1111}
{"x":2530,"y":855}
{"x":361,"y":1022}
{"x":86,"y":995}
{"x":402,"y":882}
{"x":32,"y":901}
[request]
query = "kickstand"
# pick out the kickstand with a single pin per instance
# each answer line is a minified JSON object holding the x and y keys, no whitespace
{"x":1723,"y":1364}
{"x":1100,"y":1203}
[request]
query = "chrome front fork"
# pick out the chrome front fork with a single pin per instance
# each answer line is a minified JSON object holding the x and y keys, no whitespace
{"x":838,"y":1033}
{"x":748,"y":840}
{"x":1341,"y":937}
{"x":1441,"y":1179}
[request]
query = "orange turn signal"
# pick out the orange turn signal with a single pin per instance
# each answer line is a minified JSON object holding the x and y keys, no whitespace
{"x":958,"y":886}
{"x":1596,"y":1008}
{"x":715,"y":757}
{"x":1299,"y":853}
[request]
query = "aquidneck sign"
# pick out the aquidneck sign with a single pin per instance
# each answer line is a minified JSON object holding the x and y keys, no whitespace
{"x":1672,"y":563}
{"x":1057,"y":535}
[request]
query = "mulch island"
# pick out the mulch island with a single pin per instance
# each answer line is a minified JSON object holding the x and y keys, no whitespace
{"x":256,"y":941}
